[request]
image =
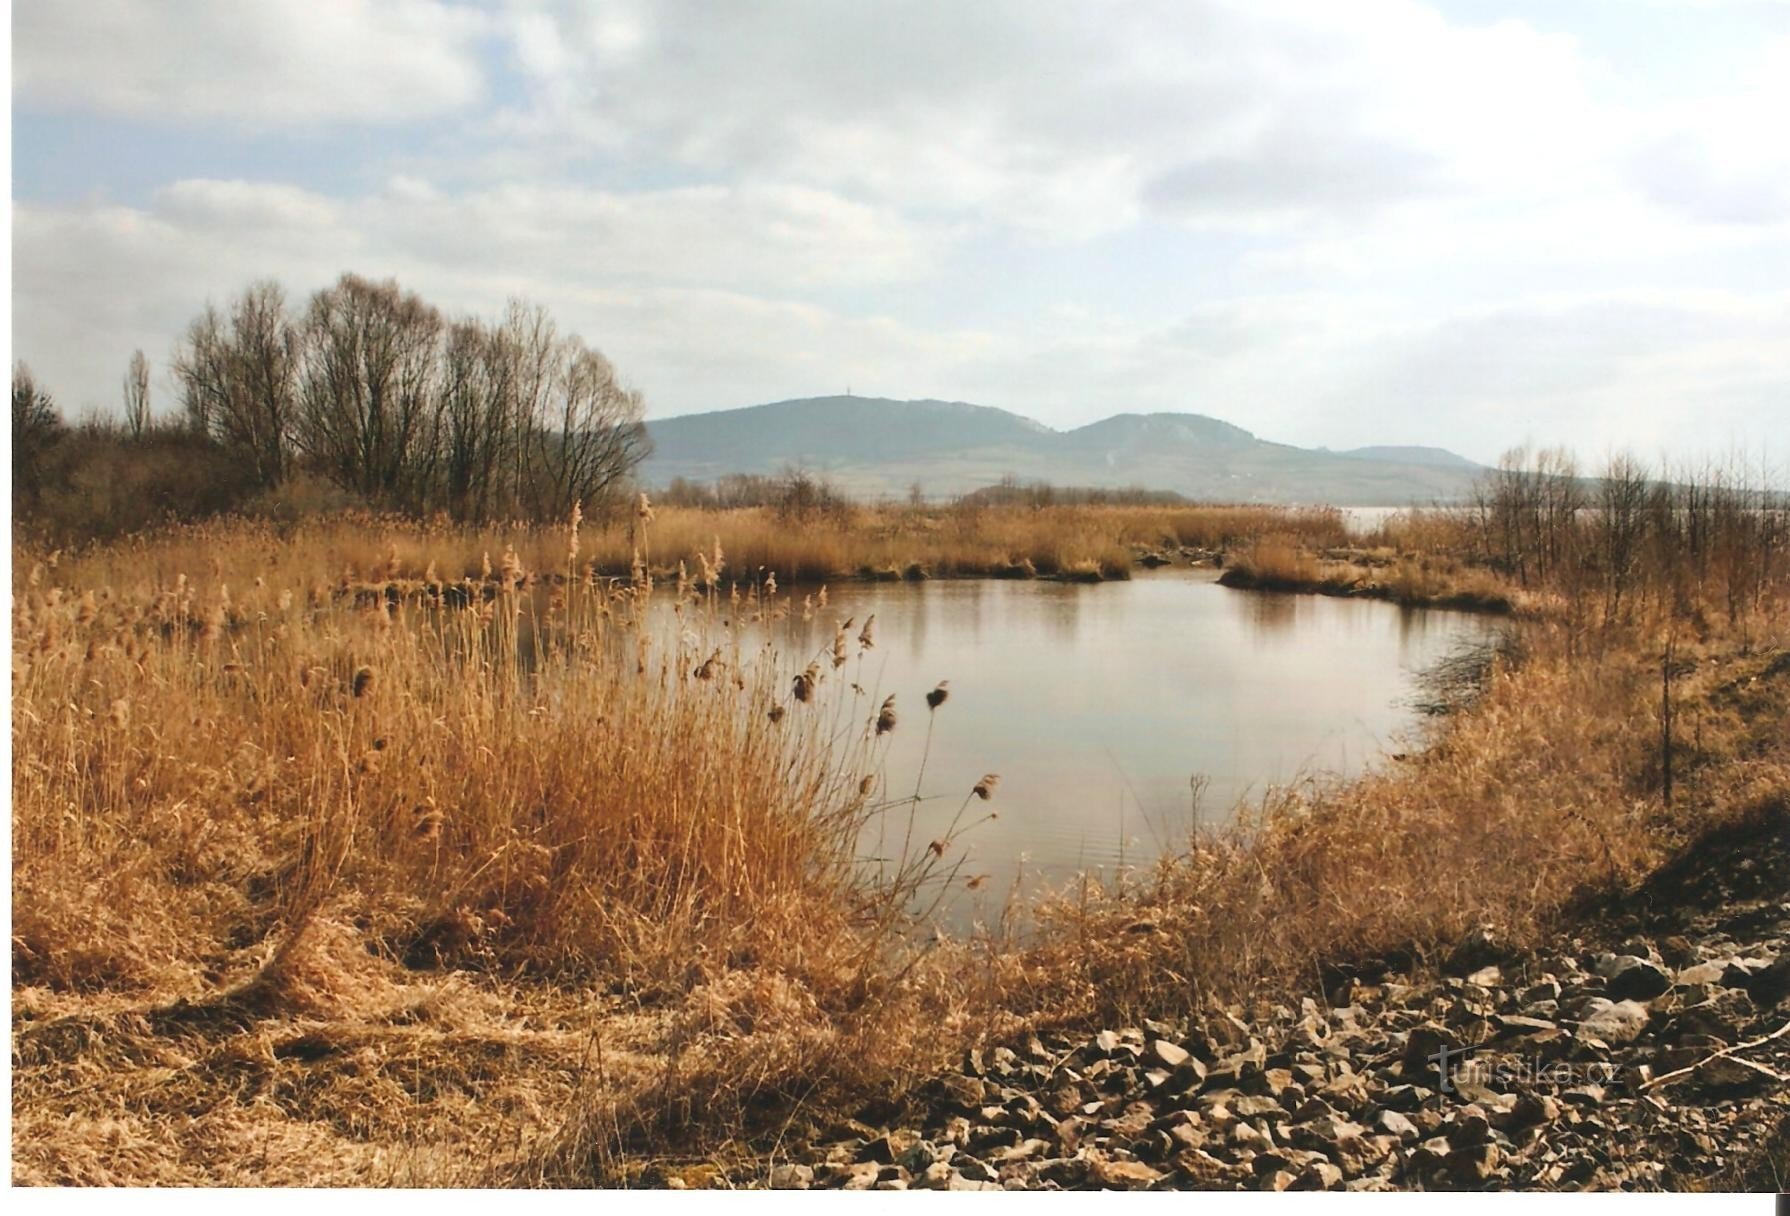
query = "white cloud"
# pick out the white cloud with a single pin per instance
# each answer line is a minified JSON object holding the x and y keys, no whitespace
{"x":266,"y":64}
{"x":1331,"y":223}
{"x":1065,"y":121}
{"x":669,"y":267}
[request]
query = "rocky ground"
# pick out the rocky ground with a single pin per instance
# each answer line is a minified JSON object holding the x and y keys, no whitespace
{"x":1649,"y":1051}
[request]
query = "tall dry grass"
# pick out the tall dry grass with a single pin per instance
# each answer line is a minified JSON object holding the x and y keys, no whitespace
{"x":963,"y":540}
{"x":1542,"y":796}
{"x":368,"y":853}
{"x":257,"y":811}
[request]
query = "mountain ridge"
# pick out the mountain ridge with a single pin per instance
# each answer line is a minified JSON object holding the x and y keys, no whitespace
{"x":878,"y":447}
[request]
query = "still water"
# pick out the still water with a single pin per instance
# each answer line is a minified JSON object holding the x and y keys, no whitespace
{"x":1100,"y":706}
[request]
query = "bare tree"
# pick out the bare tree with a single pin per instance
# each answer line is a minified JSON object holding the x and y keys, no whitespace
{"x":368,"y":411}
{"x":589,"y":434}
{"x":35,"y":429}
{"x":239,"y":382}
{"x":1620,"y":521}
{"x":374,"y":391}
{"x":136,"y":395}
{"x":477,"y":398}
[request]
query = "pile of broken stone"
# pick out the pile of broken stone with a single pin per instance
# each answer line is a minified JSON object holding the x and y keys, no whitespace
{"x":1654,"y":1062}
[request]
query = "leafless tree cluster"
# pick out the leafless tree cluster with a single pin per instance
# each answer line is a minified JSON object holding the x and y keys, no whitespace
{"x":1630,"y":538}
{"x":376,"y":390}
{"x":36,"y":427}
{"x":795,"y":493}
{"x":136,"y":395}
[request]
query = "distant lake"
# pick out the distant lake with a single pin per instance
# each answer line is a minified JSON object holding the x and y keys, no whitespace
{"x":1099,"y":705}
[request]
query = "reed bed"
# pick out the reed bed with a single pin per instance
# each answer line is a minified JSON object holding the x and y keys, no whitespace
{"x":271,"y":832}
{"x":799,"y":548}
{"x":1544,"y":795}
{"x":366,"y":852}
{"x":1278,"y":562}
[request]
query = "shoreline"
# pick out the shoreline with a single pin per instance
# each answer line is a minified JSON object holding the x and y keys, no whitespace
{"x":1345,"y":586}
{"x":455,"y":919}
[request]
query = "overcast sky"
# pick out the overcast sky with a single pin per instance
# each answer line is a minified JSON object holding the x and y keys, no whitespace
{"x":1461,"y":223}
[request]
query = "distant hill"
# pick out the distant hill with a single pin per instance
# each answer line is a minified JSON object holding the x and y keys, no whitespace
{"x":1441,"y":458}
{"x":873,"y":447}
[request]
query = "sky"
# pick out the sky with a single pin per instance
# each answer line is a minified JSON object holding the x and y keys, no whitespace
{"x":1464,"y":223}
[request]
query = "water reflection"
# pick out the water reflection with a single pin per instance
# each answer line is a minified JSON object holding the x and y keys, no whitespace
{"x":1272,"y":612}
{"x":1101,"y":706}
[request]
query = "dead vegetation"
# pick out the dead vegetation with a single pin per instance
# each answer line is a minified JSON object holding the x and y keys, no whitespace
{"x":316,"y":886}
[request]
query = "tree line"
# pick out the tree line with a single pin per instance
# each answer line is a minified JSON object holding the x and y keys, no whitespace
{"x":382,"y":396}
{"x":1628,"y":538}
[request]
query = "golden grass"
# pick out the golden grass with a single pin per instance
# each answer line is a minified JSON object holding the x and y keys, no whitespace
{"x":1547,"y":792}
{"x":228,"y":779}
{"x":313,"y":885}
{"x":877,"y":542}
{"x":1281,"y":562}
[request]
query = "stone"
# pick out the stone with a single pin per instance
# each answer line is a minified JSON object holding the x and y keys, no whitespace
{"x":1583,"y":1095}
{"x":1637,"y":979}
{"x":1395,"y":1124}
{"x":1474,"y":1164}
{"x":1406,"y":1097}
{"x":918,"y":1156}
{"x":1740,"y":971}
{"x":1721,"y":1074}
{"x":1546,"y":990}
{"x":1348,"y":1091}
{"x":1702,"y":974}
{"x":1534,"y":1108}
{"x":1479,"y":948}
{"x":791,"y":1177}
{"x":1256,"y":1106}
{"x":883,"y":1150}
{"x":1769,"y":986}
{"x":1246,"y":1135}
{"x":973,"y":1170}
{"x":1424,"y":1043}
{"x":1168,"y":1054}
{"x":1125,"y":1175}
{"x":960,"y":1183}
{"x":1618,"y":1022}
{"x":1471,"y":1126}
{"x":1359,"y":1154}
{"x":1519,"y":1024}
{"x":1188,"y":1077}
{"x":1185,"y":1136}
{"x":1025,"y":1150}
{"x":1321,"y":1135}
{"x":1719,"y":1018}
{"x":860,"y":1176}
{"x":1318,"y":1176}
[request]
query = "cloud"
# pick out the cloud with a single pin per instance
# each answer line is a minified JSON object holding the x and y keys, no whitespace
{"x":1060,"y":120}
{"x":267,"y":64}
{"x":1331,"y":223}
{"x":1722,"y":159}
{"x":662,"y":275}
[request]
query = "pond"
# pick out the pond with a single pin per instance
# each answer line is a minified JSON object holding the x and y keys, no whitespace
{"x":1102,"y":707}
